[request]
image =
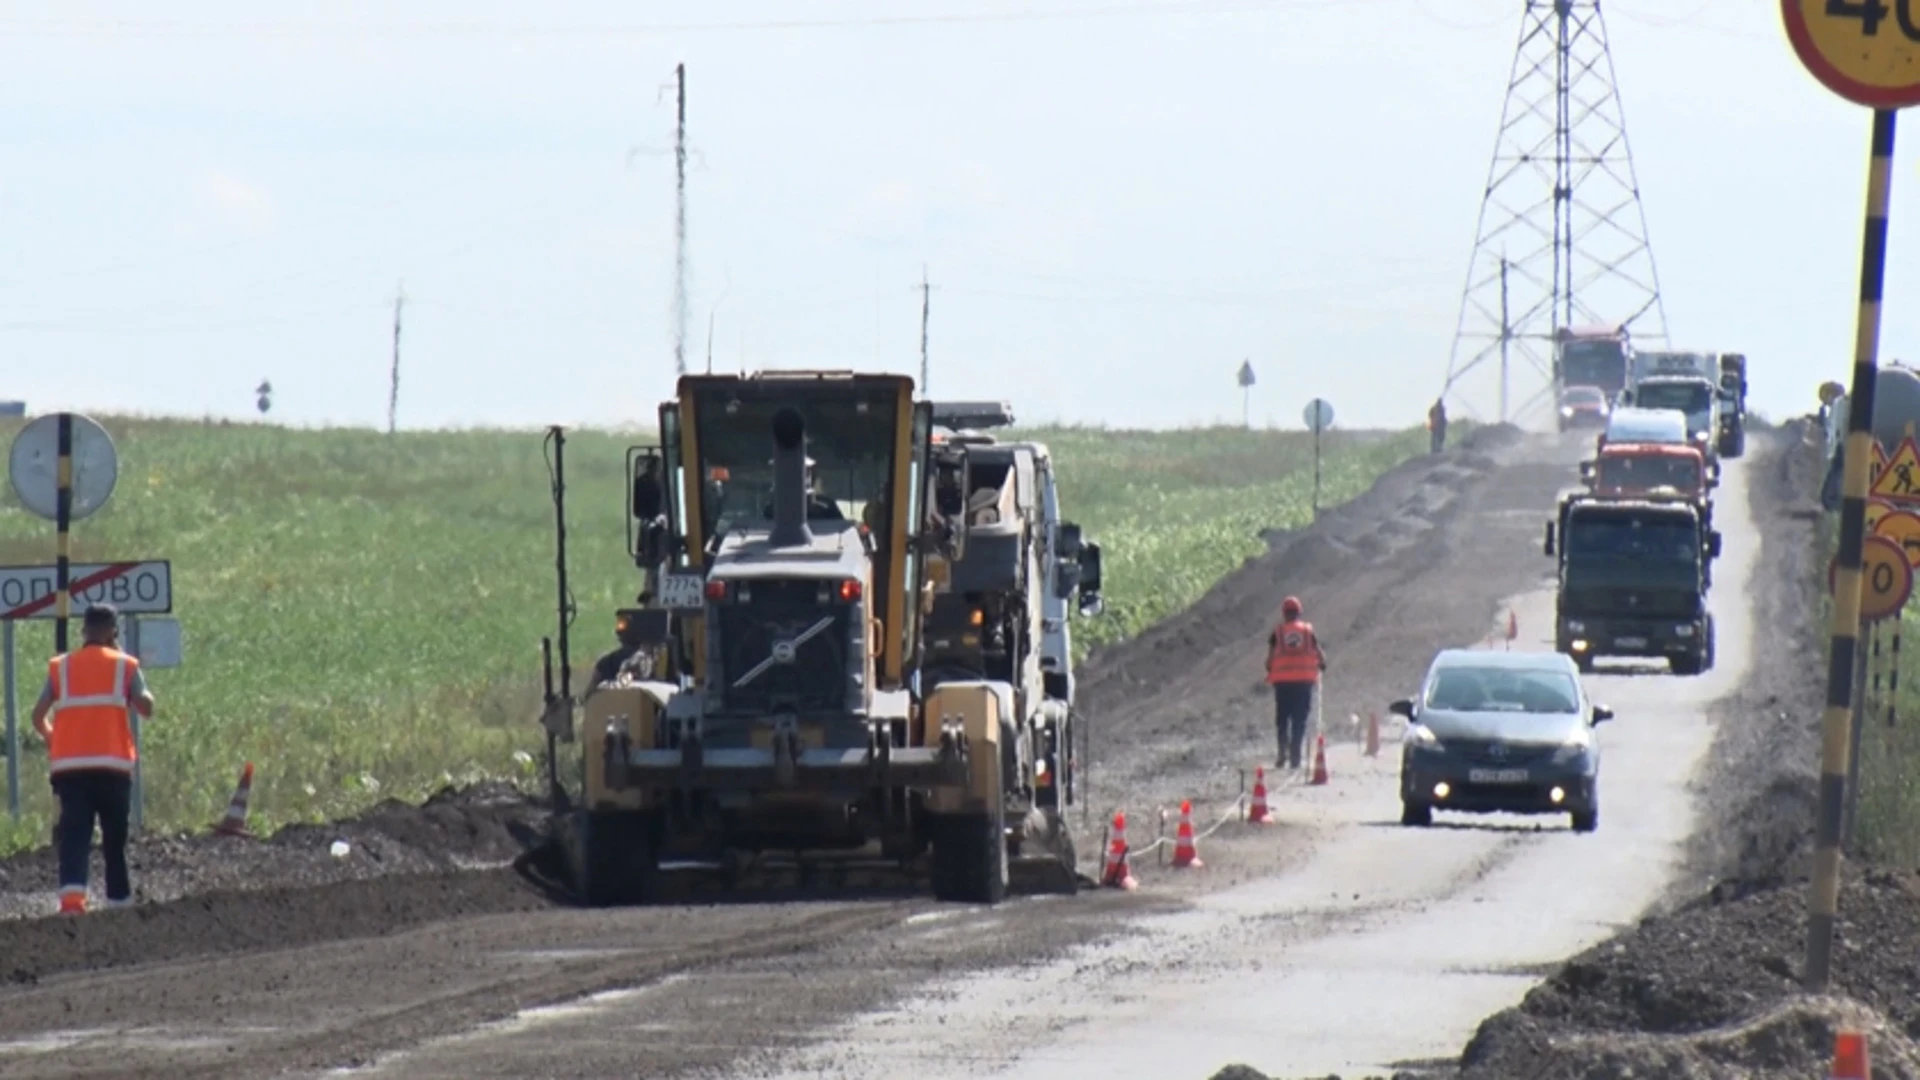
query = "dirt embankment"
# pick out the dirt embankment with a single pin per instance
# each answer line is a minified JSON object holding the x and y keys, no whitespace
{"x":1711,"y":987}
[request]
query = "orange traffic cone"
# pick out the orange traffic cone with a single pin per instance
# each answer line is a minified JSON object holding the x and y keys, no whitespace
{"x":1257,"y":811}
{"x":1185,"y":854}
{"x":1373,"y":734}
{"x":1849,"y":1057}
{"x":235,"y":821}
{"x":1118,"y":875}
{"x":1319,"y":761}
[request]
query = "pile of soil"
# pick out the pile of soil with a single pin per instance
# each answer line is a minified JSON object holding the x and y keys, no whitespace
{"x":482,"y":827}
{"x":1710,"y":986}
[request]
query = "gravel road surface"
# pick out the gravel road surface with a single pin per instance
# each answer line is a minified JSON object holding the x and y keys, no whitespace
{"x":1336,"y":940}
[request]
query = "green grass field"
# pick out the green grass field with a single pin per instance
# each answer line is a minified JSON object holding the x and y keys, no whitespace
{"x":362,"y":614}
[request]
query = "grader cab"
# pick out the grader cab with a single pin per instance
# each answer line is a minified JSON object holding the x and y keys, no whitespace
{"x":793,"y":528}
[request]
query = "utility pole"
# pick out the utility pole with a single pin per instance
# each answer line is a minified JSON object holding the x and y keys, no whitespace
{"x":393,"y":384}
{"x":1506,"y":337}
{"x":680,"y":227}
{"x":926,"y":311}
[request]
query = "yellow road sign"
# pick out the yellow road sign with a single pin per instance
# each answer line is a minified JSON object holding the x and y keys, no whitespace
{"x":1899,"y":480}
{"x":1886,"y":579}
{"x":1877,"y":509}
{"x":1903,"y":528}
{"x":1866,"y":51}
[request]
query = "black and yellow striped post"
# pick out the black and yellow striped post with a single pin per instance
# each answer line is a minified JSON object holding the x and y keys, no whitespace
{"x":1823,"y":900}
{"x":63,"y":523}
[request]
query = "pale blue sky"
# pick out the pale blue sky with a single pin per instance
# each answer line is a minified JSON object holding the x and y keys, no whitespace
{"x":1116,"y":207}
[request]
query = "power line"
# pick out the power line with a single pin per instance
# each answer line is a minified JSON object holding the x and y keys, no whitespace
{"x":151,"y":28}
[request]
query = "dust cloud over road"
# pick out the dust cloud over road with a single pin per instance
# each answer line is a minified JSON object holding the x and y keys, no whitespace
{"x":1338,"y":940}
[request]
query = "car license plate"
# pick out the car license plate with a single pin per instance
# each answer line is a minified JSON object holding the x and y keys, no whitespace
{"x":1631,"y":642}
{"x":1497,"y":776}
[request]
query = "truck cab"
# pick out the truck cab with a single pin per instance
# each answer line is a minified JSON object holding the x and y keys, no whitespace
{"x":1632,"y":581}
{"x":1657,"y":471}
{"x":1694,"y":396}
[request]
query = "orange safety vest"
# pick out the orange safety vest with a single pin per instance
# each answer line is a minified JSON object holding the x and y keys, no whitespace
{"x":1296,"y":654}
{"x":91,"y":729}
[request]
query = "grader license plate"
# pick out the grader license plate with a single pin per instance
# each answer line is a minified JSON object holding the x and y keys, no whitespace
{"x":682,"y":591}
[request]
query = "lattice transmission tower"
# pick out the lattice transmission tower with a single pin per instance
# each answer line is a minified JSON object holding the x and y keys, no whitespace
{"x":1562,"y":238}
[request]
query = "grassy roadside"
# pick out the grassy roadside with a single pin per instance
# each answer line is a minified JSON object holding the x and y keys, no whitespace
{"x":362,"y":614}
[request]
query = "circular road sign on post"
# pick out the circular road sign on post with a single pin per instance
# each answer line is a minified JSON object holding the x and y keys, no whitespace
{"x":1866,"y":51}
{"x":1318,"y":415}
{"x":34,"y":466}
{"x":1886,"y":578}
{"x":1903,"y":528}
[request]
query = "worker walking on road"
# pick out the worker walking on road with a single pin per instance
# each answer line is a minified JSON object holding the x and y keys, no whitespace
{"x":82,"y":714}
{"x":1295,"y":660}
{"x":1437,"y":424}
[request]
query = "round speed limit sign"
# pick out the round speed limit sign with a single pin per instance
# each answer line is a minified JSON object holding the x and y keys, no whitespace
{"x":1866,"y":51}
{"x":1886,"y":578}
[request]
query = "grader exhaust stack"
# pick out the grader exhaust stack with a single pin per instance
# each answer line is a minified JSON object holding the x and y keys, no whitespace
{"x":789,"y":481}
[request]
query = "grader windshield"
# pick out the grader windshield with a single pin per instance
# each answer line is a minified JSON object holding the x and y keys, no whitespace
{"x":867,"y":444}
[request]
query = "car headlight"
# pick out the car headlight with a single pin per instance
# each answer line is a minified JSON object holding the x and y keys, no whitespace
{"x":1566,"y":410}
{"x":1576,"y":745}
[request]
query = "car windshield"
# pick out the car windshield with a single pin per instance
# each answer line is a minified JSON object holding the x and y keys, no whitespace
{"x":1648,"y":471}
{"x":1687,"y":397}
{"x":1470,"y":688}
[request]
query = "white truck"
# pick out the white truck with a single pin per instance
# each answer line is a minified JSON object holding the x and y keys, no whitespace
{"x":1687,"y":382}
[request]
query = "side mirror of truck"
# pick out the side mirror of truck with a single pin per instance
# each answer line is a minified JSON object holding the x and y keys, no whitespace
{"x":648,"y":498}
{"x":1586,"y":472}
{"x":1548,"y":546}
{"x":1088,"y":562}
{"x":1713,"y":544}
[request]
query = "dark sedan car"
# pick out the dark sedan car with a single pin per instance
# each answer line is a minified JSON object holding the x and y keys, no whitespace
{"x":1498,"y":732}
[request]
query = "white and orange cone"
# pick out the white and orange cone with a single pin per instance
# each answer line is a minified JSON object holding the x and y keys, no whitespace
{"x":1118,"y":875}
{"x":1185,"y":854}
{"x":1319,"y":761}
{"x":1257,"y":811}
{"x":235,"y":821}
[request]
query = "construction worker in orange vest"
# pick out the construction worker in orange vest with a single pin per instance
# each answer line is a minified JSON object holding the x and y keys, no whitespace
{"x":82,"y":714}
{"x":1295,"y":660}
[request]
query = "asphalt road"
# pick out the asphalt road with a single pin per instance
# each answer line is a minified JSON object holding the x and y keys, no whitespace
{"x":1336,"y":941}
{"x":1388,"y":945}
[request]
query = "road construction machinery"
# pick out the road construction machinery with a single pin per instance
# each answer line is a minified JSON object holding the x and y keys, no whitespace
{"x":1004,"y":614}
{"x":796,"y":529}
{"x":1633,"y":581}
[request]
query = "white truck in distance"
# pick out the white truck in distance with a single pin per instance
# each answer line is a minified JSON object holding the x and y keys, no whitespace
{"x":1686,"y":382}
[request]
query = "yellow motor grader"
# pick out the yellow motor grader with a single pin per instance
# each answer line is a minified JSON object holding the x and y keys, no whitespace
{"x":794,"y":528}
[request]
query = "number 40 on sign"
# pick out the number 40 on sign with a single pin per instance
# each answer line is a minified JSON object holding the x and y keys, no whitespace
{"x":1866,"y":51}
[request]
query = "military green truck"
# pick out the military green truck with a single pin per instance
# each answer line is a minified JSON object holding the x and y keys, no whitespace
{"x":1633,"y":581}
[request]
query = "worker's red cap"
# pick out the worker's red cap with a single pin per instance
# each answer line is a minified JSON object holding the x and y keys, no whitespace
{"x":1290,"y":606}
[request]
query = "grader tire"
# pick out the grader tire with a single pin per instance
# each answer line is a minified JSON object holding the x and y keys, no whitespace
{"x":615,"y":862}
{"x":969,"y":863}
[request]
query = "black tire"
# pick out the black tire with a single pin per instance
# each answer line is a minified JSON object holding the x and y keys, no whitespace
{"x":1419,"y":815}
{"x":1584,"y":662}
{"x":969,"y":863}
{"x":615,"y":861}
{"x":1712,"y":651}
{"x":1689,"y":664}
{"x":1586,"y":821}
